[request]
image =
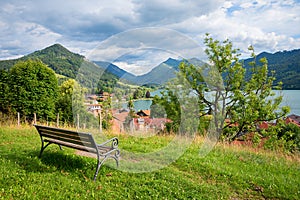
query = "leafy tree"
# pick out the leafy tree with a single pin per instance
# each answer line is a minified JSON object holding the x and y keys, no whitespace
{"x":106,"y":114}
{"x":71,"y":102}
{"x":148,"y":94}
{"x":167,"y":106}
{"x":244,"y":102}
{"x":4,"y":91}
{"x":33,"y":89}
{"x":139,"y":93}
{"x":131,"y":115}
{"x":64,"y":102}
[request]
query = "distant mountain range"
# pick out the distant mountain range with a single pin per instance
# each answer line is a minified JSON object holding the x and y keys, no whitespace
{"x":64,"y":62}
{"x":158,"y":75}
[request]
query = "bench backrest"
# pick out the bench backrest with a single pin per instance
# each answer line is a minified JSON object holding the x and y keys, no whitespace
{"x":82,"y":140}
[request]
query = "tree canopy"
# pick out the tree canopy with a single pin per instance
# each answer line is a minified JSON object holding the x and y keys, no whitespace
{"x":33,"y":89}
{"x":237,"y":104}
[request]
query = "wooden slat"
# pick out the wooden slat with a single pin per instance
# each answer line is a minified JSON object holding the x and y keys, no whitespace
{"x":68,"y":140}
{"x":67,"y":144}
{"x":77,"y":138}
{"x":104,"y":149}
{"x":75,"y":135}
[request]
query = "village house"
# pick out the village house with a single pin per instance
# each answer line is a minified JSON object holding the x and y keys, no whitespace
{"x":141,"y":121}
{"x":295,"y":119}
{"x":92,"y":104}
{"x":118,"y":121}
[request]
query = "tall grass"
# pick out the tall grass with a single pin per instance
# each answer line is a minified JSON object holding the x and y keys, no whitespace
{"x":225,"y":173}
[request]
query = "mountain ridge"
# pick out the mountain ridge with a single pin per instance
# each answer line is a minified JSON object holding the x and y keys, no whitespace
{"x":286,"y":65}
{"x":63,"y":62}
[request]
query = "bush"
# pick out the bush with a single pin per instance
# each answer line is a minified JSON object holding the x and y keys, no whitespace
{"x":283,"y":136}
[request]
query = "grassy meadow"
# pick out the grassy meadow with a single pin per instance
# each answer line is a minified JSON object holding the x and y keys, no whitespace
{"x":227,"y":172}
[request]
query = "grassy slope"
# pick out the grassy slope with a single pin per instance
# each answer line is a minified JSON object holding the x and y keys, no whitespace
{"x":225,"y":173}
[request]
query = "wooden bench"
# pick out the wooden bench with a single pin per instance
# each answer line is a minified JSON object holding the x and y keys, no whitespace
{"x":80,"y":141}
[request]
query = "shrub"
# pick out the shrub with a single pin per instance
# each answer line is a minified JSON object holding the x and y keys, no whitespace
{"x":283,"y":136}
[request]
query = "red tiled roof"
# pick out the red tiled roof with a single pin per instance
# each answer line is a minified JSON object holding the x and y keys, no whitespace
{"x":120,"y":116}
{"x":295,"y":119}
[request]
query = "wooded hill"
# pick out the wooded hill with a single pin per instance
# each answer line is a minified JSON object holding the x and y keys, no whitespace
{"x":66,"y":63}
{"x":286,"y":65}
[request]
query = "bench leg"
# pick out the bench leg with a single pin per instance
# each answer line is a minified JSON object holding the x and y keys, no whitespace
{"x":43,"y":148}
{"x":98,"y":168}
{"x":100,"y":162}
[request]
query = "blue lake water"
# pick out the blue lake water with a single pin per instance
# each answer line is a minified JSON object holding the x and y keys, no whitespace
{"x":291,"y":98}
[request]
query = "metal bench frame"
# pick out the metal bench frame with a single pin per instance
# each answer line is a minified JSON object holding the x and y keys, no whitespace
{"x":80,"y":141}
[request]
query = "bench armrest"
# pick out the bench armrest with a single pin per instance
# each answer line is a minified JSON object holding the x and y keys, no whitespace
{"x":114,"y":142}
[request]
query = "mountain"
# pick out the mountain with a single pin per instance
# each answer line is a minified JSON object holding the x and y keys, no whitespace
{"x":64,"y":62}
{"x":118,"y":72}
{"x":164,"y":71}
{"x":160,"y":74}
{"x":286,"y":65}
{"x":157,"y":76}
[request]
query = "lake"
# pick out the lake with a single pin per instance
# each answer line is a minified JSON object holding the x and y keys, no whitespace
{"x":291,"y":98}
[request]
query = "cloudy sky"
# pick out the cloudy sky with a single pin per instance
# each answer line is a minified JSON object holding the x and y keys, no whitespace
{"x":171,"y":28}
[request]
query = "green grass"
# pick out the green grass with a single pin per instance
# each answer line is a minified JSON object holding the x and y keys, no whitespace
{"x":225,"y":173}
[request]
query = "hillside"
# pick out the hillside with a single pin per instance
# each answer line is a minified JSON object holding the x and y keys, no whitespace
{"x":157,"y":76}
{"x":64,"y":62}
{"x":226,"y":172}
{"x":286,"y":65}
{"x":161,"y":73}
{"x":118,"y":72}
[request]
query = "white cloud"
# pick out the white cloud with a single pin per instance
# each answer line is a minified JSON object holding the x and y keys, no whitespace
{"x":142,"y":61}
{"x":164,"y":40}
{"x":26,"y":26}
{"x":22,"y":38}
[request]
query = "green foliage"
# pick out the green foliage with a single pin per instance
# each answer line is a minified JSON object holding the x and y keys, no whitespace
{"x":33,"y":89}
{"x":256,"y":101}
{"x":167,"y":106}
{"x":244,"y":102}
{"x":283,"y":136}
{"x":139,"y":93}
{"x":106,"y":113}
{"x":64,"y":101}
{"x":107,"y":83}
{"x":70,"y":103}
{"x":4,"y":92}
{"x":285,"y":63}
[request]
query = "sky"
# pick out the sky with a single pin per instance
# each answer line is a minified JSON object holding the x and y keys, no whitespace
{"x":138,"y":34}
